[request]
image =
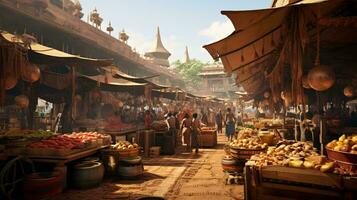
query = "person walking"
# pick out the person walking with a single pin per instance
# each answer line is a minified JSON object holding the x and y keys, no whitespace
{"x":219,"y":121}
{"x":196,"y":128}
{"x":186,"y":130}
{"x":230,"y":121}
{"x":171,"y":125}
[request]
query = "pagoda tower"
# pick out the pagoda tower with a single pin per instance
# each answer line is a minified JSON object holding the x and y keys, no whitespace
{"x":186,"y":56}
{"x":158,"y":53}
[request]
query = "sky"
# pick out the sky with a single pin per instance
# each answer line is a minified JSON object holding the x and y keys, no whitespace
{"x":191,"y":23}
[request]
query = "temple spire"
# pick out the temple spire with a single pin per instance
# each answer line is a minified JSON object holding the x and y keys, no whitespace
{"x":186,"y":56}
{"x":158,"y":46}
{"x":158,"y":53}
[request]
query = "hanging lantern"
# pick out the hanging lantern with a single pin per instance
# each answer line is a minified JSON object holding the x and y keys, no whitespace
{"x":31,"y":73}
{"x":22,"y":101}
{"x":321,"y":78}
{"x":266,"y":94}
{"x":305,"y":82}
{"x":348,"y":91}
{"x":10,"y":82}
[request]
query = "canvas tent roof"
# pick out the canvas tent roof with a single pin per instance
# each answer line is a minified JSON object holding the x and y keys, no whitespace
{"x":46,"y":55}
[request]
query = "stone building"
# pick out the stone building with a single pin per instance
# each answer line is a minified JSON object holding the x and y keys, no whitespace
{"x":216,"y":82}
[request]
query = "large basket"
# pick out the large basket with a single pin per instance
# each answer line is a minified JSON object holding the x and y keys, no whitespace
{"x":244,"y":153}
{"x":344,"y":159}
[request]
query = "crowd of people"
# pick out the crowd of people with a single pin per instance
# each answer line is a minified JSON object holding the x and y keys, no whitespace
{"x":186,"y":125}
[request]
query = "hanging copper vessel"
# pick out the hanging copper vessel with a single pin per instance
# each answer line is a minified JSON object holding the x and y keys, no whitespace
{"x":321,"y":78}
{"x":10,"y":82}
{"x":31,"y":73}
{"x":348,"y":91}
{"x":22,"y":101}
{"x":305,"y":82}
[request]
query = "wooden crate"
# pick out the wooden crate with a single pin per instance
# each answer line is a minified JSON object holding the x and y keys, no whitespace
{"x":207,"y":139}
{"x":276,"y":182}
{"x":155,"y":151}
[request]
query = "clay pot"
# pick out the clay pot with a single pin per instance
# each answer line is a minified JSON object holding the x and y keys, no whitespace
{"x":31,"y":73}
{"x":348,"y":91}
{"x":266,"y":94}
{"x":10,"y":82}
{"x":321,"y":78}
{"x":305,"y":82}
{"x":22,"y":101}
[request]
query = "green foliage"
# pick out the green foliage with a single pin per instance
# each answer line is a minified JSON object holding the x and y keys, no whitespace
{"x":189,"y":71}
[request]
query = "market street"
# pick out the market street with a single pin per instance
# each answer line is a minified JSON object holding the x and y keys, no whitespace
{"x":183,"y":176}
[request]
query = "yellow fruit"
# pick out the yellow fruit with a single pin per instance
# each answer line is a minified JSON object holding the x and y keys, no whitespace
{"x":332,"y":144}
{"x":295,"y":163}
{"x":354,"y":147}
{"x":345,"y":148}
{"x":337,"y":148}
{"x":308,"y":164}
{"x":328,"y":167}
{"x":342,"y":138}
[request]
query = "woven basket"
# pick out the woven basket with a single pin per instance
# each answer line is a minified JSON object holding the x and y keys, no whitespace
{"x":245,"y":153}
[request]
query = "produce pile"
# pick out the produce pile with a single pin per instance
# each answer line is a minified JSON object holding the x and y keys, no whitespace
{"x":247,"y":133}
{"x":27,"y":133}
{"x":344,"y":144}
{"x":208,"y":130}
{"x":125,"y":146}
{"x":253,"y":143}
{"x":91,"y":136}
{"x":59,"y":142}
{"x":159,"y":125}
{"x":298,"y":155}
{"x":70,"y":141}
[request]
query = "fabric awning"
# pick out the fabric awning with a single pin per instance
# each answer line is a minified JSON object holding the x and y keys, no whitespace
{"x":101,"y":79}
{"x":41,"y":54}
{"x":259,"y":35}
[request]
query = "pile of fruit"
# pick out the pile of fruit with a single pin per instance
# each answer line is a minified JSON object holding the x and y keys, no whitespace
{"x":344,"y":144}
{"x":247,"y":133}
{"x":90,"y":136}
{"x":59,"y":142}
{"x":253,"y":143}
{"x":299,"y":155}
{"x":124,"y":146}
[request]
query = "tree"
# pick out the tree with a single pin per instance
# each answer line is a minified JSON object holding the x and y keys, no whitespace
{"x":189,"y":71}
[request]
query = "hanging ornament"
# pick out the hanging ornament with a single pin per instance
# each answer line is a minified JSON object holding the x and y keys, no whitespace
{"x":31,"y":73}
{"x":22,"y":101}
{"x":348,"y":91}
{"x":305,"y":82}
{"x":10,"y":82}
{"x":321,"y":78}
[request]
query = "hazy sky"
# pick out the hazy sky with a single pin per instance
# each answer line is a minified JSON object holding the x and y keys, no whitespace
{"x":182,"y":22}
